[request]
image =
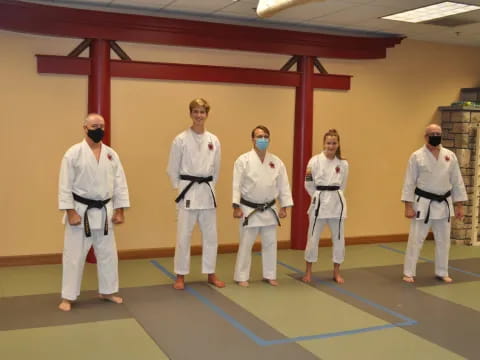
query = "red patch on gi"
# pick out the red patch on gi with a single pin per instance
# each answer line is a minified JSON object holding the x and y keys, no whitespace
{"x":337,"y":169}
{"x":272,"y":165}
{"x":447,"y":158}
{"x":109,"y":156}
{"x":210,"y":146}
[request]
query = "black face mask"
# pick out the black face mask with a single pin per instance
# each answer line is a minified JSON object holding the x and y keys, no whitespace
{"x":435,"y":140}
{"x":96,"y":135}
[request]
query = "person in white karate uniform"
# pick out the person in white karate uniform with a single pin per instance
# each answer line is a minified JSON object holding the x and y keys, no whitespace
{"x":259,"y":178}
{"x":325,"y":181}
{"x":193,"y":168}
{"x":93,"y":193}
{"x":433,"y":192}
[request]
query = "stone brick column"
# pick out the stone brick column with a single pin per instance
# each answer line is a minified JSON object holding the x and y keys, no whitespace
{"x":460,"y":129}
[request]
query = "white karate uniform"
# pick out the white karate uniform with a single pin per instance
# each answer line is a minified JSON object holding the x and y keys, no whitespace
{"x":322,"y":171}
{"x":195,"y":155}
{"x":259,"y":183}
{"x":82,"y":174}
{"x":437,"y":176}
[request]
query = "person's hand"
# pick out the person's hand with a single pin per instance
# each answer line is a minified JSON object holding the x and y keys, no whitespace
{"x":409,"y":212}
{"x":459,"y":212}
{"x":237,"y":213}
{"x":282,"y":213}
{"x":73,"y":217}
{"x":118,"y":217}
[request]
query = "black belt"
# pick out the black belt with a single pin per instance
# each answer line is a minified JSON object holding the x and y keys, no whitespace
{"x":433,"y":197}
{"x":193,"y":180}
{"x":259,"y":207}
{"x":328,"y":188}
{"x":92,"y":204}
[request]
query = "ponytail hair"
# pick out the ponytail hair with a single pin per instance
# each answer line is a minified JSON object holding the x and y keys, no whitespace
{"x":333,"y":132}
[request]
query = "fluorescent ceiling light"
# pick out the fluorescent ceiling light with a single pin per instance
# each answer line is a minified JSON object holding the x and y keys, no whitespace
{"x":436,"y":11}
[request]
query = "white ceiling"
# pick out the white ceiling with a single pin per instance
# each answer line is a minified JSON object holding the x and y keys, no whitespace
{"x":355,"y":17}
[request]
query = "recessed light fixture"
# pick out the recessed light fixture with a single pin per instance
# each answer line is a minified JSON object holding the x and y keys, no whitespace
{"x":430,"y":12}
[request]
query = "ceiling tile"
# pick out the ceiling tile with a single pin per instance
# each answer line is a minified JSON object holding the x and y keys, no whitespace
{"x":354,"y":14}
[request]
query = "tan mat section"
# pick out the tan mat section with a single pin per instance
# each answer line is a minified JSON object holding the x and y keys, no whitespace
{"x":116,"y":339}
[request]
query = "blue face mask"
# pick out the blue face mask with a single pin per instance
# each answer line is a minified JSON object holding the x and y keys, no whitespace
{"x":261,"y":143}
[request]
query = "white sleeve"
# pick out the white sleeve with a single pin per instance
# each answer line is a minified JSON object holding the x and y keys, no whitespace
{"x":343,"y":185}
{"x":309,"y":183}
{"x":238,"y":169}
{"x":459,"y":192}
{"x":218,"y":156}
{"x":285,"y":194}
{"x":120,"y":189}
{"x":65,"y":184}
{"x":174,"y":162}
{"x":410,"y":183}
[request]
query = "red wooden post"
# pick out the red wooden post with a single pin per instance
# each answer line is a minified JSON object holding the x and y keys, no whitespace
{"x":99,"y":93}
{"x":302,"y":151}
{"x":99,"y":83}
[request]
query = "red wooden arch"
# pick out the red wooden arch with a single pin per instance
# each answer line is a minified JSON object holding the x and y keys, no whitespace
{"x":103,"y":26}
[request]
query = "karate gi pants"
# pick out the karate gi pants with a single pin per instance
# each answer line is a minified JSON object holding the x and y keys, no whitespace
{"x":418,"y":233}
{"x":207,"y":220}
{"x":248,"y":235}
{"x":338,"y":244}
{"x":76,"y":247}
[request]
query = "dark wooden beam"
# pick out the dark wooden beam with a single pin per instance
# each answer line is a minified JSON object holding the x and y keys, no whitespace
{"x":288,"y":65}
{"x":79,"y":23}
{"x":319,"y":66}
{"x":119,"y":51}
{"x":80,"y":48}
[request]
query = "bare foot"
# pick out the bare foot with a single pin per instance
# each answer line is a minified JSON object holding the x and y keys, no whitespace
{"x":446,"y":279}
{"x":272,"y":282}
{"x":307,"y":278}
{"x":65,"y":305}
{"x":112,"y":298}
{"x":338,"y":279}
{"x":179,"y":283}
{"x":212,"y":279}
{"x":242,"y":283}
{"x":408,"y":279}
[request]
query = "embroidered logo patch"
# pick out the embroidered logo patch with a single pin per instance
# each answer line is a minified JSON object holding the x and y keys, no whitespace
{"x":337,"y":169}
{"x":272,"y":165}
{"x":447,"y":158}
{"x":210,"y":146}
{"x":109,"y":157}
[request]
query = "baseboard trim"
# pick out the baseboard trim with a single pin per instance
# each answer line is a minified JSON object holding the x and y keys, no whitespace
{"x":44,"y":259}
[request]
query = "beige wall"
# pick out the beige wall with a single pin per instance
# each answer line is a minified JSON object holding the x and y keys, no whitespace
{"x":380,"y":120}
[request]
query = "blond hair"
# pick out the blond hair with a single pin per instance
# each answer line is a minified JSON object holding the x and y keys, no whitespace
{"x":199,"y":102}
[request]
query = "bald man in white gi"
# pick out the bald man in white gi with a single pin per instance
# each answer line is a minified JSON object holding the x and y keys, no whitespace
{"x":93,"y":193}
{"x":193,"y":168}
{"x":259,"y":178}
{"x":433,"y":192}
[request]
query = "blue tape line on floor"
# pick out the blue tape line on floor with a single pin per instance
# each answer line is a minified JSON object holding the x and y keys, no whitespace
{"x":353,"y":295}
{"x":214,"y":307}
{"x":262,"y":342}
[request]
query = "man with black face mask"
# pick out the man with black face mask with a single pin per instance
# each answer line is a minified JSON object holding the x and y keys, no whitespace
{"x":93,"y":193}
{"x":433,"y":192}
